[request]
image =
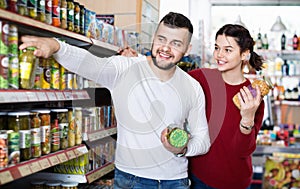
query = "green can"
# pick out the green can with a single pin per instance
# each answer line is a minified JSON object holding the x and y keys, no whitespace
{"x":13,"y":140}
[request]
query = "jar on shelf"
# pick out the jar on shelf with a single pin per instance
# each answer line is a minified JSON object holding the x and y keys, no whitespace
{"x":63,"y":14}
{"x":72,"y":125}
{"x":3,"y":149}
{"x":56,"y":13}
{"x":76,"y":17}
{"x":59,"y":117}
{"x":53,"y":184}
{"x":44,"y":116}
{"x":69,"y":185}
{"x":20,"y":122}
{"x":37,"y":184}
{"x":70,"y":15}
{"x":41,"y":11}
{"x":35,"y":134}
{"x":28,"y":63}
{"x":48,"y":11}
{"x":22,"y":7}
{"x":32,"y":8}
{"x":82,"y":18}
{"x":78,"y":125}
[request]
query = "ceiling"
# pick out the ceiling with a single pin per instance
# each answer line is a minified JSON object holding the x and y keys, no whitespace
{"x":255,"y":2}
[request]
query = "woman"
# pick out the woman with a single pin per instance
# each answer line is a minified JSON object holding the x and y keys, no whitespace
{"x":233,"y":131}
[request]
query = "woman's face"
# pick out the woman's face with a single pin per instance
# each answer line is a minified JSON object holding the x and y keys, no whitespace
{"x":227,"y":54}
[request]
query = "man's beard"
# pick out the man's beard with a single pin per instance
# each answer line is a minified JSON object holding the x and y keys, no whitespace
{"x":168,"y":67}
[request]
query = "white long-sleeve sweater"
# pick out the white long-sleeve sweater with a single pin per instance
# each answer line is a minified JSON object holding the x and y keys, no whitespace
{"x":144,"y":106}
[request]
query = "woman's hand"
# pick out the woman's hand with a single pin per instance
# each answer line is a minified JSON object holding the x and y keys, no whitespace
{"x":45,"y":46}
{"x":249,"y":105}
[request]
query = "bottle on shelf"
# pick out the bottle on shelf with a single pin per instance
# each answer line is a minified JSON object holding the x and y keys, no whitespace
{"x":265,"y":42}
{"x":285,"y":68}
{"x":259,"y":43}
{"x":295,"y":42}
{"x":283,"y":41}
{"x":291,"y":68}
{"x":278,"y":65}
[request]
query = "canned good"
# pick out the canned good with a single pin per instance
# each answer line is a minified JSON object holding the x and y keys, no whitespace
{"x":28,"y":64}
{"x":37,"y":184}
{"x":12,"y":6}
{"x":76,"y":17}
{"x":70,"y":15}
{"x":13,"y":72}
{"x":69,"y":79}
{"x":4,"y":62}
{"x":60,"y":116}
{"x":78,"y":126}
{"x":53,"y":185}
{"x":41,"y":11}
{"x":13,"y":40}
{"x":48,"y":11}
{"x":63,"y":14}
{"x":55,"y":74}
{"x":35,"y":134}
{"x":22,"y":7}
{"x":3,"y":149}
{"x":82,"y":19}
{"x":56,"y":13}
{"x":13,"y":139}
{"x":72,"y":125}
{"x":44,"y":116}
{"x":62,"y":79}
{"x":46,"y":73}
{"x":69,"y":185}
{"x":32,"y":8}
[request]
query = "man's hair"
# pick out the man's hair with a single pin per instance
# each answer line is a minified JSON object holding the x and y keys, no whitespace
{"x":177,"y":20}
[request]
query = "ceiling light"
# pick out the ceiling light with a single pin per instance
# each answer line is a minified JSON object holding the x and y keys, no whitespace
{"x":278,"y":26}
{"x":239,"y":21}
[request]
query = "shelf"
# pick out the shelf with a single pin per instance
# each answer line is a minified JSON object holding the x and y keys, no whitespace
{"x":89,"y":177}
{"x":29,"y":26}
{"x":285,"y":54}
{"x":287,"y":102}
{"x":26,"y":168}
{"x":269,"y":150}
{"x":101,"y":134}
{"x":15,"y":96}
{"x":96,"y":174}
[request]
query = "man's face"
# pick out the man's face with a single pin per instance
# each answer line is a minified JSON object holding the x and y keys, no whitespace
{"x":169,"y":46}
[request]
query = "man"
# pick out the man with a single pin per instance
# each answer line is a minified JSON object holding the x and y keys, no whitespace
{"x":149,"y":94}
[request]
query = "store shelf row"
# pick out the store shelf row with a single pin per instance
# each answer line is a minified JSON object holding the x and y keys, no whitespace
{"x":29,"y":26}
{"x":15,"y":96}
{"x":29,"y":167}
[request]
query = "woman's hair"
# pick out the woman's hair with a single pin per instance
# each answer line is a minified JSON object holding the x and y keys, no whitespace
{"x":244,"y":41}
{"x":177,"y":20}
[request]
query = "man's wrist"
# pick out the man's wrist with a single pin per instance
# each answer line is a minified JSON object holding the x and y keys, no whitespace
{"x":182,"y":153}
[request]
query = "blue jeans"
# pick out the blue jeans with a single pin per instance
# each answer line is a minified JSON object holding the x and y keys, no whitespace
{"x":124,"y":180}
{"x":196,"y":183}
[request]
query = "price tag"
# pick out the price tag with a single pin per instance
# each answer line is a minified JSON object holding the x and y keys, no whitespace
{"x":21,"y":96}
{"x":80,"y":95}
{"x":54,"y":160}
{"x":31,"y":96}
{"x":8,"y":97}
{"x":35,"y":167}
{"x":42,"y":96}
{"x":86,"y":95}
{"x":51,"y":96}
{"x":68,"y":95}
{"x":71,"y":154}
{"x":62,"y":157}
{"x":60,"y":95}
{"x":24,"y":170}
{"x":5,"y":177}
{"x":74,"y":95}
{"x":45,"y":163}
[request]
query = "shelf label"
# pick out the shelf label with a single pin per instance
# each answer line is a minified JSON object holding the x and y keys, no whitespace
{"x":54,"y":160}
{"x":45,"y":163}
{"x":35,"y":167}
{"x":80,"y":151}
{"x":21,"y":96}
{"x":71,"y":154}
{"x":42,"y":96}
{"x":60,"y":95}
{"x":8,"y":97}
{"x":31,"y":96}
{"x":68,"y":95}
{"x":5,"y":177}
{"x":24,"y":170}
{"x":51,"y":96}
{"x":62,"y":157}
